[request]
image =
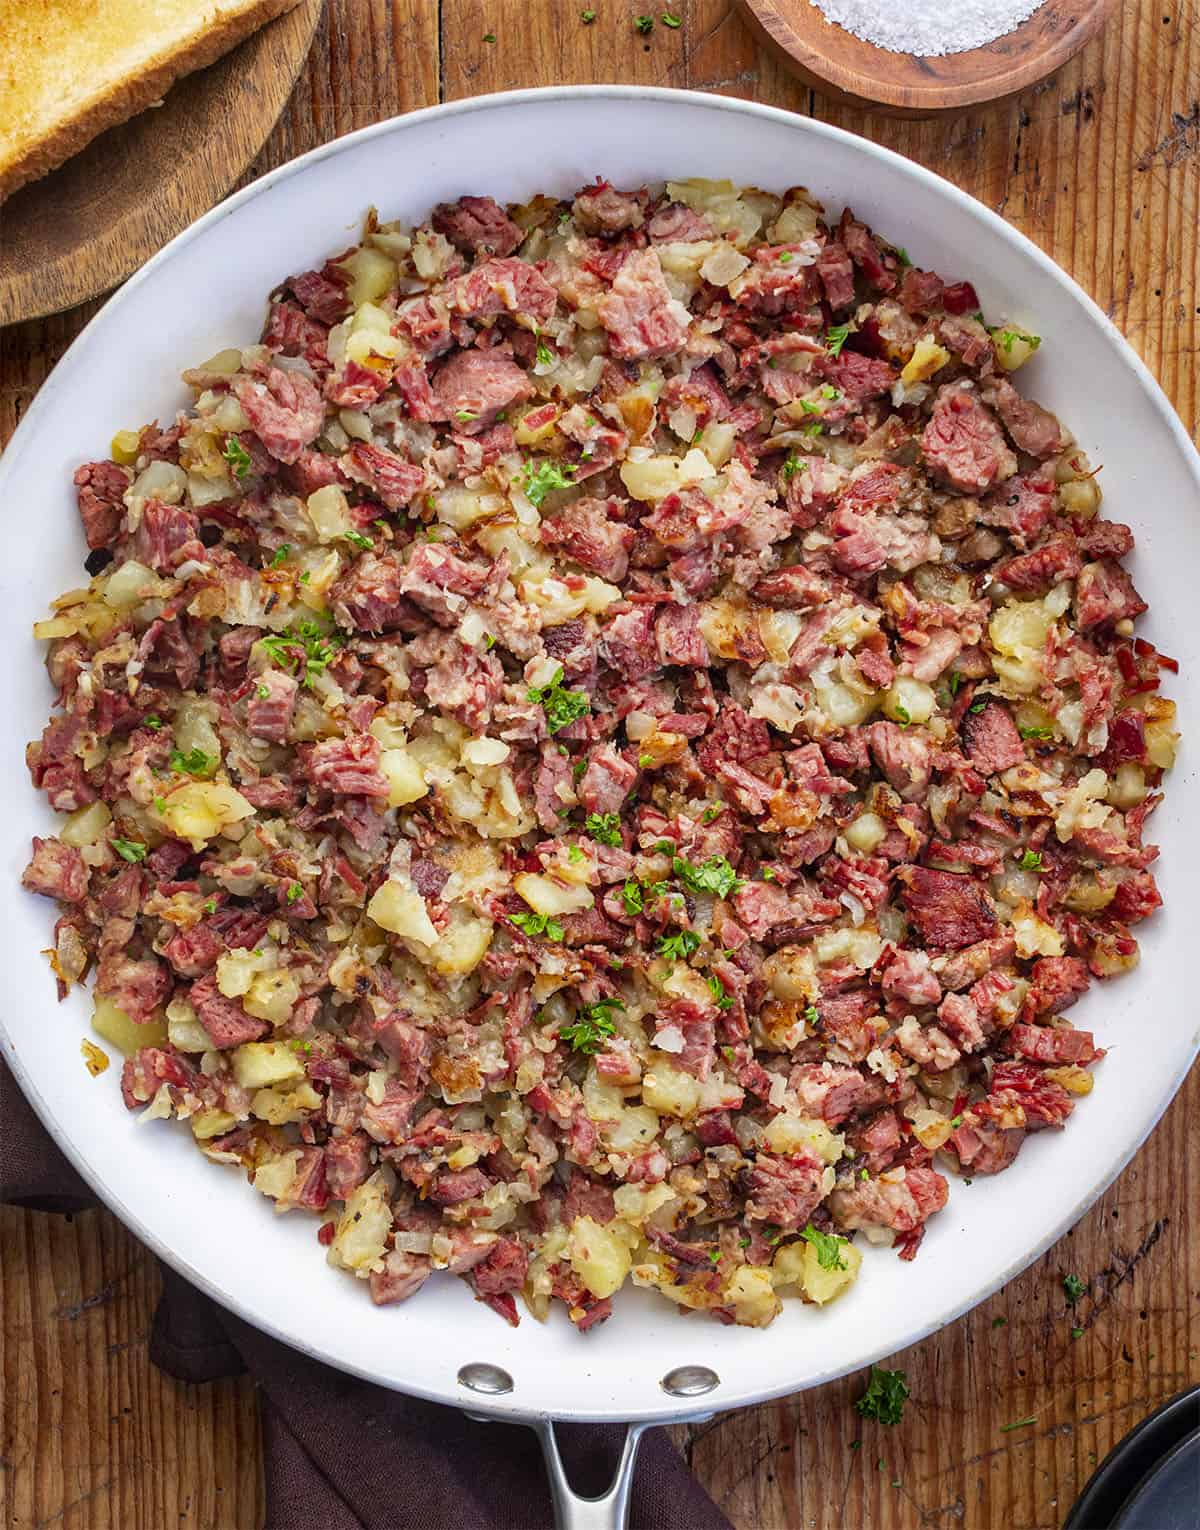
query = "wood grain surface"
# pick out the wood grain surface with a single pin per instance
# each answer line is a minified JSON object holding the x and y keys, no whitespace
{"x":845,"y":66}
{"x":1101,"y":166}
{"x":88,"y":224}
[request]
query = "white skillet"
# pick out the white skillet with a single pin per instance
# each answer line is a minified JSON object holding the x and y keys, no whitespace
{"x":206,"y":290}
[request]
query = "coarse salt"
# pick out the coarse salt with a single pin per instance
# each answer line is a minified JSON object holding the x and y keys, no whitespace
{"x":928,"y":28}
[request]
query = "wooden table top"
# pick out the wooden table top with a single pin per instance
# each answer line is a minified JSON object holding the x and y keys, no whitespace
{"x":1101,"y":166}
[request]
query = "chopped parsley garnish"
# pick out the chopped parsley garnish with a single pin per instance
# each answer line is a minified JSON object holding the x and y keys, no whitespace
{"x":1019,"y":1423}
{"x":305,"y":577}
{"x":605,"y":828}
{"x":903,"y":715}
{"x":810,"y":406}
{"x":262,"y":692}
{"x":1006,"y":338}
{"x":152,"y":722}
{"x":644,"y":24}
{"x":792,"y":466}
{"x":768,"y":874}
{"x":902,"y":255}
{"x":574,"y":854}
{"x":836,"y":338}
{"x":545,"y":356}
{"x":1074,"y":1288}
{"x":1031,"y":860}
{"x":466,"y":414}
{"x":954,"y":682}
{"x":674,"y":22}
{"x":714,"y":1256}
{"x":194,"y":763}
{"x":281,"y":556}
{"x":812,"y":1014}
{"x":210,"y":906}
{"x":680,"y":946}
{"x":357,"y":539}
{"x":717,"y":989}
{"x":830,"y":392}
{"x":1000,"y":1322}
{"x":710,"y":813}
{"x":785,"y":257}
{"x":544,"y":477}
{"x":308,"y":648}
{"x":295,"y":892}
{"x":561,"y":707}
{"x":631,"y":896}
{"x":1036,"y":732}
{"x":978,"y":706}
{"x":956,"y":1121}
{"x":885,"y":1396}
{"x":538,"y":924}
{"x":592,"y":1026}
{"x":645,"y":761}
{"x":237,"y":457}
{"x":715,"y":875}
{"x":812,"y":431}
{"x":130,"y":849}
{"x":829,"y":1249}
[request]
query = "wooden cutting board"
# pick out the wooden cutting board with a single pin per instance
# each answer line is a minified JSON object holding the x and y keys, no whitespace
{"x":83,"y":228}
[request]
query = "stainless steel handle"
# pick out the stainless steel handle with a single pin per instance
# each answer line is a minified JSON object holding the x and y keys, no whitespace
{"x":572,"y":1511}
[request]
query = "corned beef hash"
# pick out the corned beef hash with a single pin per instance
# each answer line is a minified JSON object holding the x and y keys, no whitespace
{"x":602,"y":748}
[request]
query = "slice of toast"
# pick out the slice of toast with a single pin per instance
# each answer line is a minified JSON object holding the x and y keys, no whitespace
{"x":71,"y":68}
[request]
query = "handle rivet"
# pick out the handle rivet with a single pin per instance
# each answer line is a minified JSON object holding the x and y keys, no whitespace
{"x":481,"y":1377}
{"x":689,"y":1381}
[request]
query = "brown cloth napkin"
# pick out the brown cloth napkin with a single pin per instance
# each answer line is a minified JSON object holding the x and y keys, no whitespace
{"x":343,"y":1454}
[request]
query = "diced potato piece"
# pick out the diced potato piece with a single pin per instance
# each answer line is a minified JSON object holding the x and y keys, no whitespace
{"x":86,"y":825}
{"x":602,"y":1101}
{"x":129,"y":585}
{"x":723,"y":625}
{"x":1020,"y":625}
{"x":670,"y":1091}
{"x":274,"y":1178}
{"x":124,"y":447}
{"x":329,"y":511}
{"x":184,"y":1030}
{"x":115,"y":1026}
{"x":862,"y":947}
{"x":1088,"y":893}
{"x":55,"y":627}
{"x":751,"y":1294}
{"x":405,"y":782}
{"x":546,"y":895}
{"x":635,"y":1129}
{"x":272,"y":997}
{"x":278,"y":1107}
{"x":1126,"y":788}
{"x":723,"y":265}
{"x":1013,"y":348}
{"x":237,"y":969}
{"x":909,"y":701}
{"x":844,"y":707}
{"x":194,"y":729}
{"x":370,"y":341}
{"x":798,"y":1134}
{"x":460,"y":508}
{"x":717,"y":443}
{"x":634,"y":1203}
{"x":653,"y":478}
{"x":1080,"y":497}
{"x":1162,"y":740}
{"x":257,"y":1064}
{"x":800,"y":1264}
{"x":866,"y":832}
{"x":199,"y":811}
{"x":791,"y":974}
{"x":1081,"y":805}
{"x":211,"y":1123}
{"x":402,"y":910}
{"x":464,"y":944}
{"x":536,"y":434}
{"x":371,"y":274}
{"x":1073,"y":1078}
{"x":599,"y":1256}
{"x":927,"y":358}
{"x":362,"y":1228}
{"x":1034,"y":936}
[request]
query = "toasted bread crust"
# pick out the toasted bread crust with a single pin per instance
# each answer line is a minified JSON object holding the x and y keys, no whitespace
{"x":58,"y":141}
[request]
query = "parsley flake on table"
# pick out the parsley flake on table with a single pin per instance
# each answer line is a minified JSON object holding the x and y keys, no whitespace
{"x":644,"y":24}
{"x":592,"y":1026}
{"x":605,"y":828}
{"x":130,"y":849}
{"x":587,"y":17}
{"x":674,"y":22}
{"x":885,"y":1396}
{"x":1019,"y":1423}
{"x":543,"y":478}
{"x":237,"y":456}
{"x":562,"y":707}
{"x":1074,"y":1288}
{"x":538,"y":924}
{"x":829,"y":1249}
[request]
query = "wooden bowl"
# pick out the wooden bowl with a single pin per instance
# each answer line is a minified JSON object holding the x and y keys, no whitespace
{"x":84,"y":227}
{"x":842,"y":65}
